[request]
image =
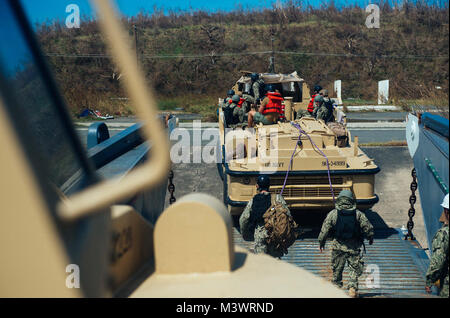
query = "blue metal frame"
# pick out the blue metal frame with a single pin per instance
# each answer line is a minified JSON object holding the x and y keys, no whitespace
{"x":115,"y":146}
{"x":97,"y":133}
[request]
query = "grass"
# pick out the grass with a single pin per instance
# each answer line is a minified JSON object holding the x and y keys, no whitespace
{"x":206,"y":106}
{"x":385,"y":144}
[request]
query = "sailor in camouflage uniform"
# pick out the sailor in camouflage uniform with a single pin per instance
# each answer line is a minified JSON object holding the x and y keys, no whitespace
{"x":348,"y":226}
{"x":251,"y":221}
{"x":233,"y":113}
{"x":257,"y":87}
{"x":438,"y":269}
{"x":230,"y":95}
{"x":325,"y":111}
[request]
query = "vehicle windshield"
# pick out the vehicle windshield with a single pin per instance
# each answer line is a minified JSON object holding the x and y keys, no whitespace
{"x":33,"y":101}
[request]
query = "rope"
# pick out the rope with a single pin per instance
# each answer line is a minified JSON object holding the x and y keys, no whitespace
{"x":301,"y":131}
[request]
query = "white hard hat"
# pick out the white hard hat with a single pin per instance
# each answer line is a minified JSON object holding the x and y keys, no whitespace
{"x":444,"y":203}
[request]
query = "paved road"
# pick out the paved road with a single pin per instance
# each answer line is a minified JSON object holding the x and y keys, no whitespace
{"x":364,"y":135}
{"x":376,"y":116}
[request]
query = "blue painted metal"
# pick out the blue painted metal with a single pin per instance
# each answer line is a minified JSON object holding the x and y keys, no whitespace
{"x":437,"y":123}
{"x":117,"y":156}
{"x":402,"y":264}
{"x":433,"y":149}
{"x":115,"y":146}
{"x":97,"y":133}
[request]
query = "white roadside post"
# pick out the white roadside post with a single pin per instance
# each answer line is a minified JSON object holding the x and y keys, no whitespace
{"x":383,"y":92}
{"x":337,"y":91}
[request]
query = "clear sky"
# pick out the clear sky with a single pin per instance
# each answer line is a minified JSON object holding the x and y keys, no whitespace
{"x":42,"y":10}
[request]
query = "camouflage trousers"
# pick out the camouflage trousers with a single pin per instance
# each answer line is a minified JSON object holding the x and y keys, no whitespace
{"x":444,"y":291}
{"x":324,"y":114}
{"x":261,"y":245}
{"x":355,"y":263}
{"x":302,"y":113}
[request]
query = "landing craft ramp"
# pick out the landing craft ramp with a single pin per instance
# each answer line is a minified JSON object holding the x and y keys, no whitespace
{"x":401,"y":264}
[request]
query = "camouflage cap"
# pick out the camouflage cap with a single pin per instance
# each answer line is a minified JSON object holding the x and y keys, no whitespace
{"x":346,"y":193}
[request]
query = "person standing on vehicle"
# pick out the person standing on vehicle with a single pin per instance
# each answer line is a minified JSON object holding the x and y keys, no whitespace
{"x":251,"y":221}
{"x":348,"y":226}
{"x":257,"y":87}
{"x":438,"y":268}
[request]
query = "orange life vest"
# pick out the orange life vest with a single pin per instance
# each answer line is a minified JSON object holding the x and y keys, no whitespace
{"x":274,"y":104}
{"x":239,"y":104}
{"x":311,"y":103}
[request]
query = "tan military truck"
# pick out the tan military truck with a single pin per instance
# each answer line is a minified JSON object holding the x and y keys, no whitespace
{"x":318,"y":164}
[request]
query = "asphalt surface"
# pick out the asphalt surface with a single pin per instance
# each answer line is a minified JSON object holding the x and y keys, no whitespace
{"x":365,"y":136}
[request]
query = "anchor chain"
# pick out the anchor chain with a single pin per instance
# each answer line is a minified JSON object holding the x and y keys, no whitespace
{"x":412,"y":201}
{"x":171,"y":188}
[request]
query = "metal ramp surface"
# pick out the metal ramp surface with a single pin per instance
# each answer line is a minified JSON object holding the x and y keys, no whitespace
{"x":401,"y":264}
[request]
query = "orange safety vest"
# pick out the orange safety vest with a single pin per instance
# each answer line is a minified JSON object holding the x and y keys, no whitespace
{"x":274,"y":104}
{"x":311,"y":103}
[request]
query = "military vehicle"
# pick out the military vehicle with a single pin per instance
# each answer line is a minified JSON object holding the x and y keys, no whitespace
{"x":305,"y":157}
{"x":90,"y":223}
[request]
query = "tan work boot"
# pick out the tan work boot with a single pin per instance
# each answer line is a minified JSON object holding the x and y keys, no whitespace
{"x":353,"y":293}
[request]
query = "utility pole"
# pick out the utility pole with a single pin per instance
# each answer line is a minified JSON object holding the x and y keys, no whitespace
{"x":272,"y":39}
{"x":272,"y":57}
{"x":136,"y":42}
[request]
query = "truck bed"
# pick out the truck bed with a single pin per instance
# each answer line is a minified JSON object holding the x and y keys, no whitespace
{"x":402,"y":264}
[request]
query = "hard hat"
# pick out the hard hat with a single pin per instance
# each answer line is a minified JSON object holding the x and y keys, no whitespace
{"x":230,"y":92}
{"x":235,"y":99}
{"x":444,"y":203}
{"x":263,"y":182}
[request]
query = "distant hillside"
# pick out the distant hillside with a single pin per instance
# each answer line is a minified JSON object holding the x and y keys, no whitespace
{"x":410,"y":49}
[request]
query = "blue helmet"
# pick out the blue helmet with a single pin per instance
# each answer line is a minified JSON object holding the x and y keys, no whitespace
{"x":317,"y":88}
{"x":254,"y":76}
{"x":263,"y":182}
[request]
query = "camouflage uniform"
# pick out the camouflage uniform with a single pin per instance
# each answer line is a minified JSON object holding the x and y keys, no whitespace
{"x":249,"y":101}
{"x":257,"y":230}
{"x":346,"y":250}
{"x":324,"y":112}
{"x":237,"y":112}
{"x":438,"y":269}
{"x":257,"y":87}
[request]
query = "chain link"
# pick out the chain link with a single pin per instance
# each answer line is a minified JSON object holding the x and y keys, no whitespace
{"x":171,"y":188}
{"x":412,"y":201}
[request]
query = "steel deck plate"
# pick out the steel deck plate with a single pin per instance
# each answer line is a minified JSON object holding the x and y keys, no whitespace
{"x":402,"y":264}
